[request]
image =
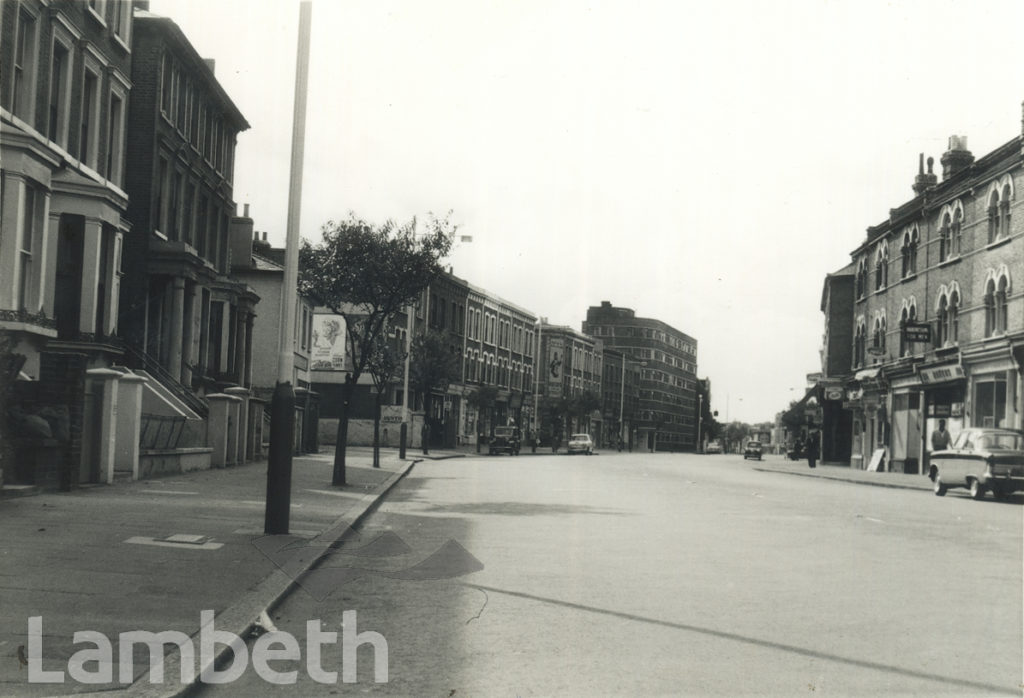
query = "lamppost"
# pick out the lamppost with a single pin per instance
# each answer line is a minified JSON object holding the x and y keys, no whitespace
{"x":536,"y":380}
{"x":404,"y":429}
{"x":700,"y":415}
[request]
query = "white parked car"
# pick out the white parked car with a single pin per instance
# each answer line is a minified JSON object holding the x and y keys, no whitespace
{"x":981,"y":460}
{"x":581,"y":443}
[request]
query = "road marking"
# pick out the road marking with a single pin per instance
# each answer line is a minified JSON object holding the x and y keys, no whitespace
{"x":330,"y":492}
{"x":868,"y":518}
{"x":143,"y":540}
{"x":167,"y":492}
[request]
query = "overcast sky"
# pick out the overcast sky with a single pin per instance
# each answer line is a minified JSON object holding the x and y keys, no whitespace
{"x":705,"y":164}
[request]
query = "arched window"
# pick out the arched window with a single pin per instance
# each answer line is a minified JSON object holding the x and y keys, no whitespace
{"x":956,"y":231}
{"x":878,"y":335}
{"x":881,"y":267}
{"x":993,"y":217}
{"x":859,"y":344}
{"x":907,"y":315}
{"x":1002,"y":316}
{"x":1004,"y":211}
{"x":954,"y":316}
{"x":945,"y":237}
{"x":862,"y":278}
{"x":991,"y":322}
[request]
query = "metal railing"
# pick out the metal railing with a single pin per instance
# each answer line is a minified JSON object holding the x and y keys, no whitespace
{"x":160,"y":432}
{"x":139,"y":359}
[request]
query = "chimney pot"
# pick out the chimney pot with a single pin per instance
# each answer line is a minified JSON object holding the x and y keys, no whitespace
{"x":957,"y":158}
{"x":264,"y":236}
{"x":246,"y":209}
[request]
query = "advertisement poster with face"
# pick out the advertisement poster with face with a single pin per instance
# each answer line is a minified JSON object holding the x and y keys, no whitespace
{"x":555,"y":361}
{"x":328,"y":352}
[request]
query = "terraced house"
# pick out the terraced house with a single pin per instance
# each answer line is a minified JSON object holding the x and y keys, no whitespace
{"x":938,"y":322}
{"x":64,"y":88}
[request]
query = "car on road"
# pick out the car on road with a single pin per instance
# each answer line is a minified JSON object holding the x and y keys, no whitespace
{"x":580,"y":443}
{"x":714,"y":447}
{"x":982,"y":459}
{"x":752,"y":450}
{"x":505,"y":440}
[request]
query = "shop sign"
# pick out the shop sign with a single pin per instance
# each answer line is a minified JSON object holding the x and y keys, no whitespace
{"x":939,"y":410}
{"x":917,"y":332}
{"x":833,"y":393}
{"x":941,"y":374}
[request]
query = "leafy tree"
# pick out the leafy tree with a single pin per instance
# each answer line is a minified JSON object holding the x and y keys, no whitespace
{"x":581,"y":406}
{"x":482,"y":399}
{"x":368,"y":274}
{"x":384,"y":365}
{"x":433,"y":365}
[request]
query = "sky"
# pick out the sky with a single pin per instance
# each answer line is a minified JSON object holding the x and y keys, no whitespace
{"x":705,"y":164}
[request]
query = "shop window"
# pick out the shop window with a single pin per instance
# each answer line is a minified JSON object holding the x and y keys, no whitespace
{"x":990,"y":402}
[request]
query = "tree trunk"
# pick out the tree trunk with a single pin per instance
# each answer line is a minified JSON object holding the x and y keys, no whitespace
{"x":376,"y":431}
{"x":342,"y":441}
{"x":425,"y":432}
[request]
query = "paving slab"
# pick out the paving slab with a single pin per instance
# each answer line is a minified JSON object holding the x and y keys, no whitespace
{"x":153,"y":555}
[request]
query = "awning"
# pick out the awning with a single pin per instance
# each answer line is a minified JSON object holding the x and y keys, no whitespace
{"x":867,"y":373}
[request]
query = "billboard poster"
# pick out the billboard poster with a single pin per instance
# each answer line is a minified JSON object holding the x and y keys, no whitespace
{"x":328,"y":352}
{"x":555,"y":365}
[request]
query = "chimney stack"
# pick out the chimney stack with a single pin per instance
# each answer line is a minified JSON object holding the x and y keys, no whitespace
{"x":922,"y":181}
{"x":957,"y":158}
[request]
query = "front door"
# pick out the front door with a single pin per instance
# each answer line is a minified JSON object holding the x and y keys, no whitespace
{"x":68,"y":288}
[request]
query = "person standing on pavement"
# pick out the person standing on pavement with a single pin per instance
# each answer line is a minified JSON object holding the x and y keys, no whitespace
{"x":812,"y":448}
{"x":941,"y":439}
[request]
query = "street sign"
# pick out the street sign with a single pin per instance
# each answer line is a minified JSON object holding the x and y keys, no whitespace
{"x":917,"y":332}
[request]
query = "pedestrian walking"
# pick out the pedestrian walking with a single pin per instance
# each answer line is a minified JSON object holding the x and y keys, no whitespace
{"x":812,"y":449}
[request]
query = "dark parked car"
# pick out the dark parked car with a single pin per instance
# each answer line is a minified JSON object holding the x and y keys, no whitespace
{"x":752,"y":450}
{"x":982,"y":460}
{"x":505,"y":440}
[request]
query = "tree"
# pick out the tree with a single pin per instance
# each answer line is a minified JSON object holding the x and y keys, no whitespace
{"x":384,"y":365}
{"x":482,"y":399}
{"x":368,"y":274}
{"x":433,"y":365}
{"x":581,"y":406}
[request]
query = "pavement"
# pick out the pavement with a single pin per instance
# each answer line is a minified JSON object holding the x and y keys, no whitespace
{"x":152,"y":555}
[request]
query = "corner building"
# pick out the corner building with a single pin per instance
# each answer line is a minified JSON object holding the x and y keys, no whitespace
{"x":666,"y":418}
{"x":948,"y":265}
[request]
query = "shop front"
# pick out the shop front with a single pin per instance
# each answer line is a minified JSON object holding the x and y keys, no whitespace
{"x":994,"y":391}
{"x":944,"y":389}
{"x":905,"y":446}
{"x":867,"y":398}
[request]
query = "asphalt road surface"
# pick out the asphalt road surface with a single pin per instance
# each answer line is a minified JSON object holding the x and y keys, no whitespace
{"x":662,"y":575}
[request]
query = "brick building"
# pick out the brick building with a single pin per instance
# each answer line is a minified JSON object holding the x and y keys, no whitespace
{"x":836,"y":354}
{"x":500,"y":343}
{"x":572,"y":375}
{"x":941,"y":265}
{"x":667,"y":411}
{"x":183,"y":315}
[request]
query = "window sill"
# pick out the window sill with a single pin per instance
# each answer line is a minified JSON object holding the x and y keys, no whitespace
{"x":122,"y":44}
{"x":95,"y":16}
{"x":909,"y":277}
{"x":998,"y":242}
{"x":948,"y":261}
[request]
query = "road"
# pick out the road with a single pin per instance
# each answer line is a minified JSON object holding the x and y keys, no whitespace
{"x":639,"y":574}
